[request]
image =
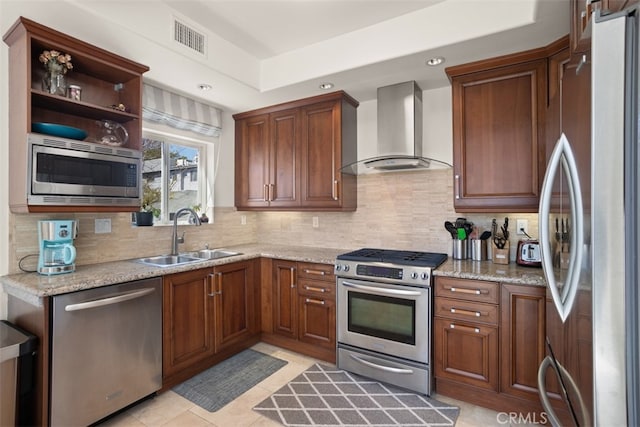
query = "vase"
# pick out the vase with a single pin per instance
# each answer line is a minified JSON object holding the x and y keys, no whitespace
{"x":54,"y":82}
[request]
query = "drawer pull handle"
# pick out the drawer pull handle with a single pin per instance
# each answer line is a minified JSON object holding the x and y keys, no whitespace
{"x":468,"y":291}
{"x":464,"y":328}
{"x":465,"y":312}
{"x":292,"y":272}
{"x":314,"y":301}
{"x":316,"y":272}
{"x":314,"y":289}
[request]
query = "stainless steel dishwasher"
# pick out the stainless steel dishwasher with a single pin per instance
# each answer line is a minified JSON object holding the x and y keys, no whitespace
{"x":106,"y":350}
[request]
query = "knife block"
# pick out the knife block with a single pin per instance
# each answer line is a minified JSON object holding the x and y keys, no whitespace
{"x":500,"y":256}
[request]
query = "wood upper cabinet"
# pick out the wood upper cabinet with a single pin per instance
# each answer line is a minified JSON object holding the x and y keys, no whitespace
{"x":498,"y":132}
{"x":582,"y":12}
{"x":522,"y":339}
{"x":288,"y":156}
{"x":106,"y":79}
{"x":569,"y":110}
{"x":205,"y":313}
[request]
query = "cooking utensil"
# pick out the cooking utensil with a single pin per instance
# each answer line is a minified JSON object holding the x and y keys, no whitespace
{"x":448,"y":225}
{"x":500,"y":242}
{"x":485,"y":235}
{"x":505,"y":229}
{"x":462,"y":234}
{"x":59,"y":130}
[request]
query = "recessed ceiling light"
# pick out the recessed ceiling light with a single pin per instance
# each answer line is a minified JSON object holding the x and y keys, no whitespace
{"x":436,"y":60}
{"x":204,"y":86}
{"x":326,"y":85}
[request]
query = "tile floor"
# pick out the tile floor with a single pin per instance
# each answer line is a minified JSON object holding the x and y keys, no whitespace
{"x":170,"y":409}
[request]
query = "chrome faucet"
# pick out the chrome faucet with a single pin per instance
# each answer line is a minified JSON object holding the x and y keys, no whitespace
{"x":175,"y":240}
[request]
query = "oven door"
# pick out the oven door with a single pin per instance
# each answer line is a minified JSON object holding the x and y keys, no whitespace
{"x":385,"y":318}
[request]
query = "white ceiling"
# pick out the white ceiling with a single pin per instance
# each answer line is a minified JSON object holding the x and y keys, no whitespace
{"x":262,"y":52}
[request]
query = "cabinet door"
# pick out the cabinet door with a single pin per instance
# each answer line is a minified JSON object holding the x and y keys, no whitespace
{"x":285,"y":316}
{"x":187,"y":326}
{"x":321,"y":155}
{"x":234,"y":313}
{"x":466,"y":352}
{"x":283,"y":189}
{"x":252,"y":162}
{"x":317,"y":320}
{"x":498,"y":138}
{"x":522,"y":339}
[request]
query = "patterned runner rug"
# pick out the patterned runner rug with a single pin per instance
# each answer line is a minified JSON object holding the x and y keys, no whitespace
{"x":325,"y":396}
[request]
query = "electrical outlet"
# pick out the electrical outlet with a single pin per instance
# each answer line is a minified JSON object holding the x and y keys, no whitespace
{"x":243,"y":220}
{"x":103,"y":225}
{"x":522,"y":226}
{"x":315,"y":222}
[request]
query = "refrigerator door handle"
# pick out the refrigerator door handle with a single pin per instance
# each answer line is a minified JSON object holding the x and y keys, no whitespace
{"x":566,"y":381}
{"x":562,"y":157}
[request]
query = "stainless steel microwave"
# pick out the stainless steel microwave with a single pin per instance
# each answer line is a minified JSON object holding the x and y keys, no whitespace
{"x":78,"y":173}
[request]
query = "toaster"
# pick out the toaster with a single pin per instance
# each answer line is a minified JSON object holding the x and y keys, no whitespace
{"x":529,"y":253}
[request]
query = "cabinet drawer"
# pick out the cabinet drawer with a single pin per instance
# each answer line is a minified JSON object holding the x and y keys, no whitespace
{"x":468,"y":311}
{"x":316,"y":271}
{"x":471,"y":290}
{"x":317,"y":288}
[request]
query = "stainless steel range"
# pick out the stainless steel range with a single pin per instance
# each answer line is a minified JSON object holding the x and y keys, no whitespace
{"x":384,"y":315}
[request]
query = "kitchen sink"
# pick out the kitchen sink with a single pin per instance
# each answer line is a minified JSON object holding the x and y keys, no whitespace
{"x":169,"y":260}
{"x":213,"y":253}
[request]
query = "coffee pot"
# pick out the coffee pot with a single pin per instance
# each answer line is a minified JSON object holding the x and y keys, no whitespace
{"x":111,"y":133}
{"x":57,"y":252}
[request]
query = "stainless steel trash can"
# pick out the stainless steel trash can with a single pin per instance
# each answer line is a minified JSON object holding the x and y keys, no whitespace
{"x":17,"y":352}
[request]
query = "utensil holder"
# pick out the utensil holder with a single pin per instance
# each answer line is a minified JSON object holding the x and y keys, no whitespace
{"x":478,"y":250}
{"x":501,"y":256}
{"x":460,"y":249}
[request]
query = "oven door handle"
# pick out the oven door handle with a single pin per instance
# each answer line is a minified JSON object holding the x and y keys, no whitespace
{"x":382,"y":290}
{"x":381,"y":367}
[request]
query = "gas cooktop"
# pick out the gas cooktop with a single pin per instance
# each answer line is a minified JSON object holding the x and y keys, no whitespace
{"x":390,"y":256}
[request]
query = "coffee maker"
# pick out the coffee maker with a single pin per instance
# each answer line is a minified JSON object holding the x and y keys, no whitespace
{"x":57,"y":253}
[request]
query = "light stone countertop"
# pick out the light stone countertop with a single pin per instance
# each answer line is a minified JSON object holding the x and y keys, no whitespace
{"x":32,"y":287}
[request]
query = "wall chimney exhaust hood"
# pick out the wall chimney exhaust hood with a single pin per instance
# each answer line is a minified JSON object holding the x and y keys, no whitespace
{"x":399,"y":133}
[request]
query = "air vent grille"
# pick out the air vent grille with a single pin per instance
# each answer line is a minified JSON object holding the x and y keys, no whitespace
{"x":189,"y":37}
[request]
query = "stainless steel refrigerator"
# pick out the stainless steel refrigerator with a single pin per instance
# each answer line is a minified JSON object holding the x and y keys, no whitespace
{"x":589,"y":244}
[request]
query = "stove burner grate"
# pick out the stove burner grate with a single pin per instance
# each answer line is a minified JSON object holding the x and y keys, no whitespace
{"x":414,"y":258}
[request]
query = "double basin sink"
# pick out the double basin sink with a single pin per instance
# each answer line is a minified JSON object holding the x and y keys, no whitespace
{"x":187,"y":257}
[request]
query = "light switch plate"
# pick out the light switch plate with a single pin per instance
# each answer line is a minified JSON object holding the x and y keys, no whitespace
{"x":103,"y":225}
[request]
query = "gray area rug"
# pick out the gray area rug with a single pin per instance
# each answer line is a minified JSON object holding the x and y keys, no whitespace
{"x":325,"y":396}
{"x":220,"y":384}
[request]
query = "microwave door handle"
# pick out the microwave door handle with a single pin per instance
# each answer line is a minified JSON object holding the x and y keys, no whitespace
{"x":384,"y":291}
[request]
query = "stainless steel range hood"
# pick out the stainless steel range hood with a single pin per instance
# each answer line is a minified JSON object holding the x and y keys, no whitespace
{"x":399,"y":133}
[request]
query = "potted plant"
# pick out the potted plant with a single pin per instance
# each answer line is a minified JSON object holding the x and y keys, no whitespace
{"x":148,"y":210}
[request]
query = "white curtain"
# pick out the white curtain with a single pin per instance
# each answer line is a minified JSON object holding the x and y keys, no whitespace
{"x":171,"y":109}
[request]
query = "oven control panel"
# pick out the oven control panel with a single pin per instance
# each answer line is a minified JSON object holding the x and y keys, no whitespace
{"x":386,"y":272}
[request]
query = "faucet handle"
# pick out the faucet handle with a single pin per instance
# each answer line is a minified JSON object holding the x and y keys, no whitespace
{"x":206,"y":246}
{"x":181,"y":238}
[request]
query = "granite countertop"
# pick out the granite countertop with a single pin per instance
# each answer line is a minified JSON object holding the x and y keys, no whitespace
{"x":32,"y":287}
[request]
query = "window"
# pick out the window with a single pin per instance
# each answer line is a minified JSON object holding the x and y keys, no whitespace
{"x":173,"y":175}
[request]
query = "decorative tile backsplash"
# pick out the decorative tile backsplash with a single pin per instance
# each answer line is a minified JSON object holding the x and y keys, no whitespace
{"x":398,"y":210}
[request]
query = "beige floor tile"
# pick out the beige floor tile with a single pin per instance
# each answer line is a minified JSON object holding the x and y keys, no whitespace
{"x":161,"y":409}
{"x":283,"y":376}
{"x":265,"y":422}
{"x":189,"y":419}
{"x":122,"y":420}
{"x":237,"y":413}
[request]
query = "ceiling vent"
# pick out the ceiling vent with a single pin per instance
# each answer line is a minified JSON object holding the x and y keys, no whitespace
{"x":187,"y":36}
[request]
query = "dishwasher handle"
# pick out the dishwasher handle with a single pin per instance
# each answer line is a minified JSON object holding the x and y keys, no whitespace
{"x":110,"y":300}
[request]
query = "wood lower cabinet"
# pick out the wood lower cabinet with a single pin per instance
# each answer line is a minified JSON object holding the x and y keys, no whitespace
{"x":208,"y":315}
{"x":489,"y":340}
{"x":303,"y":308}
{"x":522,"y":339}
{"x":289,"y":156}
{"x":466,"y":332}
